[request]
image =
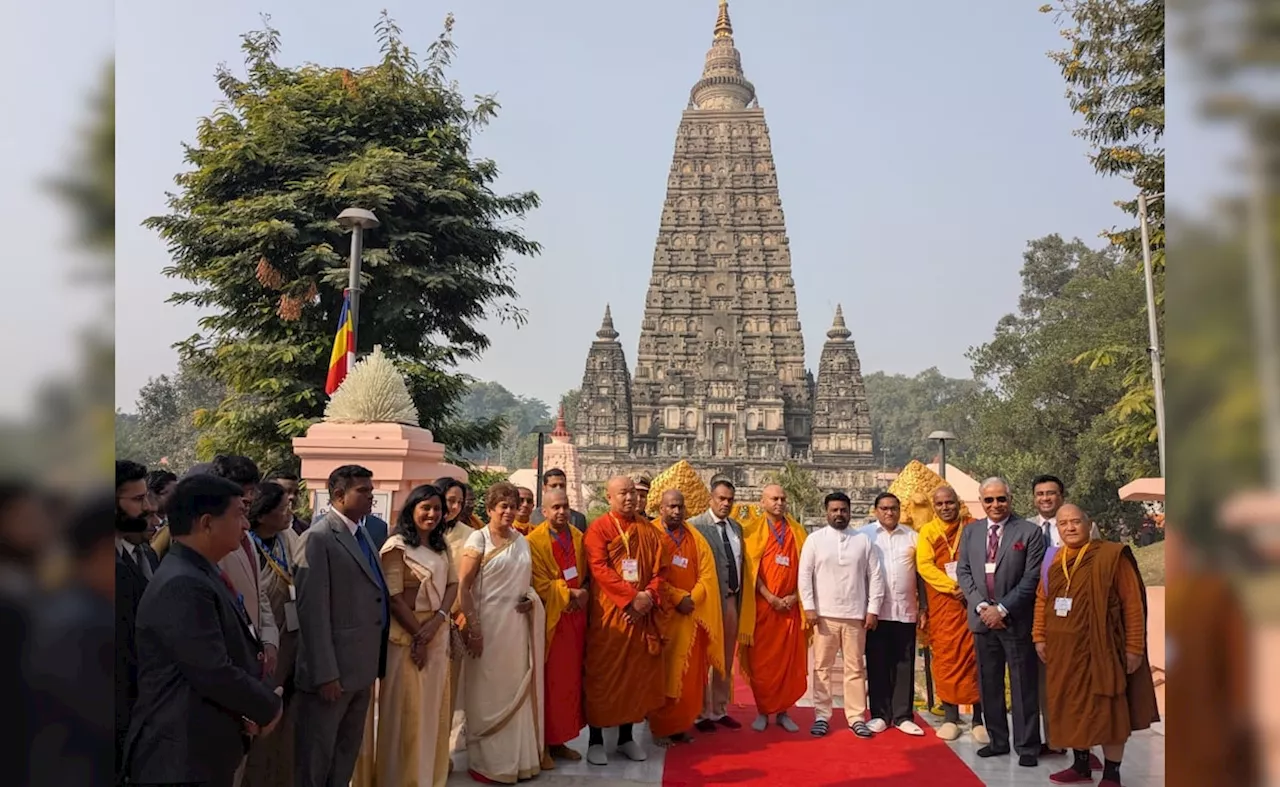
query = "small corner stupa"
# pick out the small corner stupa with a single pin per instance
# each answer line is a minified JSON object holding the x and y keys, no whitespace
{"x":563,"y":454}
{"x":371,"y":421}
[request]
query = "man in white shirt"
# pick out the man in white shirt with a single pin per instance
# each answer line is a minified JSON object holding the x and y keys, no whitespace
{"x":891,"y":643}
{"x":724,"y":535}
{"x":1050,"y":493}
{"x":840,"y":588}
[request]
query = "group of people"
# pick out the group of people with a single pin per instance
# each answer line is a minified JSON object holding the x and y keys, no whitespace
{"x":258,"y":647}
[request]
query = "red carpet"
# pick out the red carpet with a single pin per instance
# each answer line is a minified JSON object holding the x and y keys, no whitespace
{"x":775,"y":757}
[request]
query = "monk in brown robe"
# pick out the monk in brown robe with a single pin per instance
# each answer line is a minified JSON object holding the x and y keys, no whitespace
{"x":955,"y":664}
{"x":773,"y":635}
{"x":1090,"y":630}
{"x":689,"y":620}
{"x":624,"y":679}
{"x":524,"y":511}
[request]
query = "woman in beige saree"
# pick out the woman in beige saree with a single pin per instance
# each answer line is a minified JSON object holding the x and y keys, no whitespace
{"x":413,"y":700}
{"x":456,"y":532}
{"x":506,"y":638}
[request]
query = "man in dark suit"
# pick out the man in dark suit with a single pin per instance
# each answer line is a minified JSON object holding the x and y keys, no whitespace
{"x":998,"y":569}
{"x":556,"y":479}
{"x":201,"y":690}
{"x":342,"y":647}
{"x":134,"y":568}
{"x":724,"y":534}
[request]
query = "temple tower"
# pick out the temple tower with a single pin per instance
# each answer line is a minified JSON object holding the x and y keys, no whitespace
{"x":603,"y":423}
{"x":841,"y":418}
{"x":720,"y":367}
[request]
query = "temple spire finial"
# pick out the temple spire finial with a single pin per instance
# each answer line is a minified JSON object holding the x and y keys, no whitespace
{"x":724,"y":27}
{"x":606,"y":331}
{"x":838,"y":329}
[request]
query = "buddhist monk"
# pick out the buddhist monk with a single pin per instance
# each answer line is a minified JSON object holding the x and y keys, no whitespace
{"x":955,"y":664}
{"x":772,"y":635}
{"x":690,"y":622}
{"x":560,"y":580}
{"x":524,"y":510}
{"x":1090,"y":631}
{"x":624,"y":678}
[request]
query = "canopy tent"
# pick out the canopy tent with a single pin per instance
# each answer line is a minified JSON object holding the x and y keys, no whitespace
{"x":1143,"y":490}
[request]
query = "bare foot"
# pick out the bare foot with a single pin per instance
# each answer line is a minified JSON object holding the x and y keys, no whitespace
{"x":664,"y":742}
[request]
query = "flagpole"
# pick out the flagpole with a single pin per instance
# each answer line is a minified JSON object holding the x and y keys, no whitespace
{"x":357,"y":220}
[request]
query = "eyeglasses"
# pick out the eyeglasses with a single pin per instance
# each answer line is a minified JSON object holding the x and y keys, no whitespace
{"x":1000,"y":499}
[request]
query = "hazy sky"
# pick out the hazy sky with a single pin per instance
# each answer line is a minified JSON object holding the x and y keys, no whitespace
{"x":918,"y":147}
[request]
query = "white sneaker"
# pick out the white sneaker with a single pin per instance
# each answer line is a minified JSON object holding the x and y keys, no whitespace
{"x":633,"y":751}
{"x":760,"y":723}
{"x":785,"y":722}
{"x":910,"y":728}
{"x":596,"y":755}
{"x":877,"y":725}
{"x":949,"y":731}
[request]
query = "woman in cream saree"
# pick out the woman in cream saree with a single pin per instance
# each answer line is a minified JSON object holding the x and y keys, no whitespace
{"x":412,"y":741}
{"x":506,"y":637}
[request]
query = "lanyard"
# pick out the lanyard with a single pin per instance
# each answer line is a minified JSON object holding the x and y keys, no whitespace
{"x":565,"y":543}
{"x":954,"y":543}
{"x":779,"y":534}
{"x":672,"y":535}
{"x":1074,"y":565}
{"x":278,"y":564}
{"x":626,"y":534}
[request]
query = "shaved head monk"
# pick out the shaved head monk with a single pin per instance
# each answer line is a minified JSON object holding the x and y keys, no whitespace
{"x":689,"y":620}
{"x":1090,"y":631}
{"x":955,"y":664}
{"x":624,"y":678}
{"x":773,"y":635}
{"x":560,"y":580}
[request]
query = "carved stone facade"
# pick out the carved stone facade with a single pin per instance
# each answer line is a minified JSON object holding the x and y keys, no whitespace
{"x":720,"y":376}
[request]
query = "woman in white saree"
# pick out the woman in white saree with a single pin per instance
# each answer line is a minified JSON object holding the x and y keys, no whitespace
{"x":505,"y":635}
{"x":413,"y":699}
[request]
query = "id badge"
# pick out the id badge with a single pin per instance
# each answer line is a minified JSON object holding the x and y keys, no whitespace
{"x":290,"y":616}
{"x":630,"y":570}
{"x":1062,"y":606}
{"x":991,"y":567}
{"x":950,"y":568}
{"x":782,"y":560}
{"x":293,"y":593}
{"x":681,"y":561}
{"x":570,"y":573}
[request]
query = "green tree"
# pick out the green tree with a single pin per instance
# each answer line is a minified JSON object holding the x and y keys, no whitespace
{"x":253,"y":230}
{"x":1114,"y":68}
{"x":480,"y":481}
{"x":164,"y":426}
{"x":519,"y":415}
{"x":804,"y":499}
{"x":1038,"y":411}
{"x":904,"y":410}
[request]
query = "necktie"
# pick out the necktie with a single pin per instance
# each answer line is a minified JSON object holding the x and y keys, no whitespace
{"x":1048,"y":526}
{"x":367,"y":549}
{"x":731,"y":567}
{"x":993,"y":546}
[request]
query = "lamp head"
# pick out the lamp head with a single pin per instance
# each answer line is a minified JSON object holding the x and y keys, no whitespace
{"x":358,"y":217}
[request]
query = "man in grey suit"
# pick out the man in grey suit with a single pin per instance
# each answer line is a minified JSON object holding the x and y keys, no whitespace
{"x":555,"y":479}
{"x":725,"y":537}
{"x":342,"y":644}
{"x":998,"y":569}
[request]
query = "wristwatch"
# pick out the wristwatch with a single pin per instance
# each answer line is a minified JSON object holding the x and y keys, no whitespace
{"x":443,"y":614}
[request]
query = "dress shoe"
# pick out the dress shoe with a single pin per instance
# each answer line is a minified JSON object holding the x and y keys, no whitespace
{"x":705,"y":725}
{"x":988,"y":751}
{"x":728,"y":722}
{"x":1028,"y":760}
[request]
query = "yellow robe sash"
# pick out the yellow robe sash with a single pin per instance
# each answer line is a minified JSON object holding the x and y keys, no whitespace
{"x":755,"y":535}
{"x":548,"y":581}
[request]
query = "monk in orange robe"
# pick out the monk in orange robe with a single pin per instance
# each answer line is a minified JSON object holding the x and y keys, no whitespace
{"x":955,"y":663}
{"x":689,"y":619}
{"x":773,"y":637}
{"x":524,"y":510}
{"x":624,"y":678}
{"x":560,"y":580}
{"x":1090,"y":631}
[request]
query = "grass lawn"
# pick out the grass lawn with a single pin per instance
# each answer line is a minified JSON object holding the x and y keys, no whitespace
{"x":1151,"y":563}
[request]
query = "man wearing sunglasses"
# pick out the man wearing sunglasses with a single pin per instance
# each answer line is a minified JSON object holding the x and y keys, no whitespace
{"x":998,"y":569}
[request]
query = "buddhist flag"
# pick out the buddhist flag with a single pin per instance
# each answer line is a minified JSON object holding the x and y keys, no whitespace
{"x":343,"y":356}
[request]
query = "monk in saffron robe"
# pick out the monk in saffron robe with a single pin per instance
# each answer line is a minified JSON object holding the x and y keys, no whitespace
{"x":624,"y":679}
{"x":560,"y":580}
{"x":1090,"y":631}
{"x":689,"y":619}
{"x":524,"y":510}
{"x":773,"y":637}
{"x":955,"y":663}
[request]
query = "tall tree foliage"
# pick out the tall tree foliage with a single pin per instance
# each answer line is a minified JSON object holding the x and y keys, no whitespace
{"x":1038,"y":413}
{"x":1114,"y":67}
{"x":904,"y":410}
{"x":253,"y":229}
{"x":518,"y":414}
{"x":163,"y":426}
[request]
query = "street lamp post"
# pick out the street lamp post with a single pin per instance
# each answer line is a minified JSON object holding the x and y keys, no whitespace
{"x":1153,"y":329}
{"x":541,"y":432}
{"x":357,"y":220}
{"x":942,"y":437}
